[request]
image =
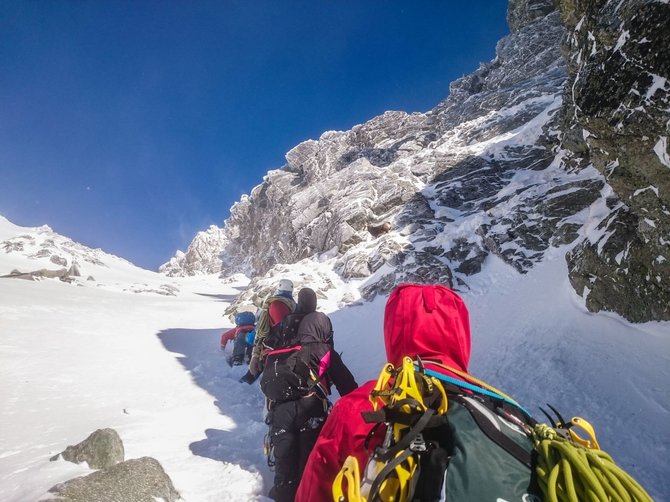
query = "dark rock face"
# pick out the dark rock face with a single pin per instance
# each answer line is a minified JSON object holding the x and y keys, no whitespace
{"x":103,"y":448}
{"x":618,"y":99}
{"x":137,"y":480}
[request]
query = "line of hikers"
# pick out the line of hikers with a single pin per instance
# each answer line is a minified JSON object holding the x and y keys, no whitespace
{"x":424,"y":429}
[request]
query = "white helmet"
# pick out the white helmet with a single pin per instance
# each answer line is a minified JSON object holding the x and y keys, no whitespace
{"x":286,"y":286}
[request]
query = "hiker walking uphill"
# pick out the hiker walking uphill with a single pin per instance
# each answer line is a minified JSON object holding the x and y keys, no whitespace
{"x":426,"y":430}
{"x":242,"y":336}
{"x":274,"y":310}
{"x":300,"y":366}
{"x":427,"y":321}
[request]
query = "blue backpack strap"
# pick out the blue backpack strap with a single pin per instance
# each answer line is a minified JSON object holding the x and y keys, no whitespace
{"x":473,"y":388}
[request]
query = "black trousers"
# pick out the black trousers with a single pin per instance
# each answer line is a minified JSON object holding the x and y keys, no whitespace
{"x":294,"y":428}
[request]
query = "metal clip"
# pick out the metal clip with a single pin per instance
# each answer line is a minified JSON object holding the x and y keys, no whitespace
{"x":418,"y":444}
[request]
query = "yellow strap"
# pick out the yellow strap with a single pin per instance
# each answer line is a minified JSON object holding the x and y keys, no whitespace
{"x":444,"y":405}
{"x":405,"y":475}
{"x":351,"y":473}
{"x":406,"y":386}
{"x":395,"y":487}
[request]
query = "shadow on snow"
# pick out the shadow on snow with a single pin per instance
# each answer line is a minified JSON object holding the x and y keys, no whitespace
{"x":220,"y":298}
{"x":198,"y":351}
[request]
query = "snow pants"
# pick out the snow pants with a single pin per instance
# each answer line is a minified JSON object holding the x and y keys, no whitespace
{"x":294,"y":428}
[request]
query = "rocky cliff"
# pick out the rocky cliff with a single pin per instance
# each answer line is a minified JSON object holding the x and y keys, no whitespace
{"x":617,"y":117}
{"x":561,"y":140}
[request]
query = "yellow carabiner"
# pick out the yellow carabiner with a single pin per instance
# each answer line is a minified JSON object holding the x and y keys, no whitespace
{"x":592,"y":442}
{"x":352,"y":475}
{"x":444,"y":405}
{"x":382,"y":384}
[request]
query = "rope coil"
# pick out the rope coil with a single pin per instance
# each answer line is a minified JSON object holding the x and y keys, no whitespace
{"x":571,"y":472}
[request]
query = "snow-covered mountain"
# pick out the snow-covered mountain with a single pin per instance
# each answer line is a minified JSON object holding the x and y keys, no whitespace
{"x":201,"y":257}
{"x":78,"y":355}
{"x":524,"y":155}
{"x":39,"y":253}
{"x":538,"y":189}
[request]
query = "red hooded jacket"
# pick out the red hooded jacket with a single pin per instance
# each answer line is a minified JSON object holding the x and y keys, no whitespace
{"x":427,"y":321}
{"x":232,"y":333}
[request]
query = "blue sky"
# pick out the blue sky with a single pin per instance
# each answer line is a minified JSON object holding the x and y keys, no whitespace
{"x":130,"y":126}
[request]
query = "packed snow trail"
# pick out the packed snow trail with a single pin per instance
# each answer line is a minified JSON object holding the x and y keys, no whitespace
{"x":241,"y":442}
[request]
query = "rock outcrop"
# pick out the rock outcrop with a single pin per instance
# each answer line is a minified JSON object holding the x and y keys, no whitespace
{"x":617,"y":116}
{"x":201,"y":257}
{"x":64,"y":274}
{"x":103,"y":448}
{"x":137,"y":480}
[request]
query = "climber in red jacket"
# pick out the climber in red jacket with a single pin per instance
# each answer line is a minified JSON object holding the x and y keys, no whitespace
{"x":242,"y":336}
{"x":431,"y":322}
{"x":229,"y":335}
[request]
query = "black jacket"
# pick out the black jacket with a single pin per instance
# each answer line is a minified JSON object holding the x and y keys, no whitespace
{"x":316,"y":333}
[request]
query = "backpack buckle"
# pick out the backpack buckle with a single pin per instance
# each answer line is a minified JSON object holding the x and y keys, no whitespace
{"x":418,"y":444}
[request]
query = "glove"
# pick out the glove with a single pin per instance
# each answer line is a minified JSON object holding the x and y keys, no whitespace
{"x":255,"y":366}
{"x":248,"y":378}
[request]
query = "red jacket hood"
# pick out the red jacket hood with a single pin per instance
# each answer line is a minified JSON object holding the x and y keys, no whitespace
{"x":431,"y":322}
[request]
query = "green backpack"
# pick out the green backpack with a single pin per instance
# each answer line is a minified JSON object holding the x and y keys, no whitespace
{"x":472,"y":442}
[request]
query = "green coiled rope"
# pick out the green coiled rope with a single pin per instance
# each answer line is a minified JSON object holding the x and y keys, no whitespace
{"x":569,"y":472}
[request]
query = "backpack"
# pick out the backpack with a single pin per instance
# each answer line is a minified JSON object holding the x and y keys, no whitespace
{"x":287,"y":374}
{"x":244,"y":318}
{"x":488,"y":445}
{"x":284,"y":334}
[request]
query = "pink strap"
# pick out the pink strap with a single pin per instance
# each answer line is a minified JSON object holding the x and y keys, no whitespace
{"x":287,"y":349}
{"x":324,"y":364}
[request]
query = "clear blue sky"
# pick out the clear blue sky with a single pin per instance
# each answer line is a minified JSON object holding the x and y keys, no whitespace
{"x":131,"y":125}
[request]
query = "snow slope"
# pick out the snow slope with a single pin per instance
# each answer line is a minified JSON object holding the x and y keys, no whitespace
{"x":87,"y":355}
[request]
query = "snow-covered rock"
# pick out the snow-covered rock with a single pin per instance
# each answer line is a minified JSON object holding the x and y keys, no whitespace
{"x":201,"y":257}
{"x":616,"y":115}
{"x":39,"y":253}
{"x":526,"y":154}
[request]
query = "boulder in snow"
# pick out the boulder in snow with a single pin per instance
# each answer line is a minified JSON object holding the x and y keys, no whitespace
{"x":101,"y":449}
{"x":137,"y":480}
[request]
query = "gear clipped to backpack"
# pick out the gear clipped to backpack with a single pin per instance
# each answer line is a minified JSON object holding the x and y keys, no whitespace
{"x":474,"y":443}
{"x":409,"y":403}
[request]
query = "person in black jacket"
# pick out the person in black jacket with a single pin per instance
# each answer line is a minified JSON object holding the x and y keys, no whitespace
{"x":295,"y":423}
